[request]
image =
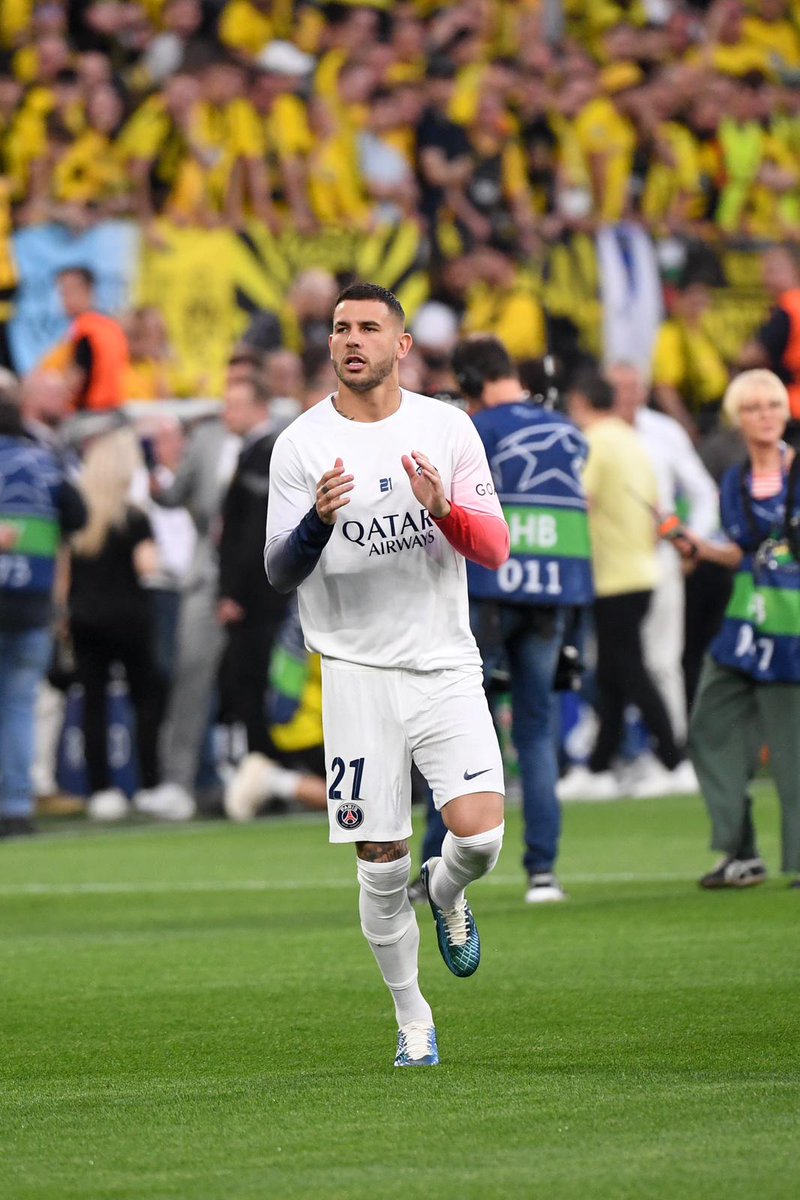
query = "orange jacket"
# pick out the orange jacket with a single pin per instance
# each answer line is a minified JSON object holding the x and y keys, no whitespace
{"x":105,"y":385}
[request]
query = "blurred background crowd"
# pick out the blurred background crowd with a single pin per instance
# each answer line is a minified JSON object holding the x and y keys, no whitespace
{"x":614,"y":184}
{"x":507,"y":120}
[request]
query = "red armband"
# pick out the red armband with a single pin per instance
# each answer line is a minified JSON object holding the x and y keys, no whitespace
{"x":480,"y":537}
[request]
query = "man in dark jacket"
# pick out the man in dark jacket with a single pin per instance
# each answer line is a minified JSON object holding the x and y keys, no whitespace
{"x":250,"y":610}
{"x":38,"y":507}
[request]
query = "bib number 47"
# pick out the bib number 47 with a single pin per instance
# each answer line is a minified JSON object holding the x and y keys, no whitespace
{"x":747,"y":643}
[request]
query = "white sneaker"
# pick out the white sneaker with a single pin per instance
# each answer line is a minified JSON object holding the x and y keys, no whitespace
{"x":108,"y":805}
{"x":168,"y":802}
{"x":655,"y":781}
{"x":684,"y":780}
{"x":658,"y":781}
{"x":544,"y":889}
{"x":630,"y":772}
{"x":582,"y":784}
{"x":249,"y":787}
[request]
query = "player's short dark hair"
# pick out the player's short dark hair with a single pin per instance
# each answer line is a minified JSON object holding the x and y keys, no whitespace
{"x":372,"y":291}
{"x":85,"y":273}
{"x":480,"y":360}
{"x":597,"y":390}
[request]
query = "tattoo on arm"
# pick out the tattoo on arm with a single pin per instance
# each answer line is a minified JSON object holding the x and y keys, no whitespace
{"x":381,"y":852}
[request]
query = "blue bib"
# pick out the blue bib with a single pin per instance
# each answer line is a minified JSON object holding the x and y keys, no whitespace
{"x":536,"y":459}
{"x":760,"y":635}
{"x":30,"y":484}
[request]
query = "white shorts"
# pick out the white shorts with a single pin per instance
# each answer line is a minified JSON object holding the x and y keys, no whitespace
{"x":377,"y":721}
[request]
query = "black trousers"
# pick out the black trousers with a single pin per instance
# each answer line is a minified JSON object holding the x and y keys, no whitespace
{"x":243,"y":678}
{"x":95,"y":653}
{"x":622,"y":679}
{"x":708,"y":590}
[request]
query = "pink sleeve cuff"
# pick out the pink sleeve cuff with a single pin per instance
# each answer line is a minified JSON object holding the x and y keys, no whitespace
{"x":480,"y":537}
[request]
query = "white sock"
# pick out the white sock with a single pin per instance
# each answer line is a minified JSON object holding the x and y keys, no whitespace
{"x":390,"y":926}
{"x":464,"y":860}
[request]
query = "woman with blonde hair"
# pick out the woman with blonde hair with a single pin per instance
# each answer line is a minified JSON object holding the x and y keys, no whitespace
{"x":110,"y":616}
{"x":749,"y":693}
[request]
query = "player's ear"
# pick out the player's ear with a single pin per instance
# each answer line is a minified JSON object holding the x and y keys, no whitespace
{"x":404,"y":345}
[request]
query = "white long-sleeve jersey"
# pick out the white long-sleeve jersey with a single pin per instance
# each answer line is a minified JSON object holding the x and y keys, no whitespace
{"x":388,"y":590}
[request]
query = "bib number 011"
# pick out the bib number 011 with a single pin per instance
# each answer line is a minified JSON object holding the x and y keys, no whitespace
{"x":532,"y":577}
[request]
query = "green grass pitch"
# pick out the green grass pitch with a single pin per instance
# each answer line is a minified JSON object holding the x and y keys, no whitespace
{"x":192,"y":1014}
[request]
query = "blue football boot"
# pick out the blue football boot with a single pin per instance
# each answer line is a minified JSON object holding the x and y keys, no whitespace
{"x":456,"y":931}
{"x":416,"y":1045}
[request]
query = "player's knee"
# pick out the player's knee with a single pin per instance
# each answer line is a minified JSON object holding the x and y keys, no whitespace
{"x":473,"y":815}
{"x":387,"y":933}
{"x":384,"y":907}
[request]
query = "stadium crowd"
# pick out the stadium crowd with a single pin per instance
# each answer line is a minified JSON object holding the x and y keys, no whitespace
{"x":506,"y":120}
{"x":662,"y":132}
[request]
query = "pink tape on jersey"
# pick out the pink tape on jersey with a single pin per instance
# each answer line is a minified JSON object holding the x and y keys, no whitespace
{"x":480,"y":537}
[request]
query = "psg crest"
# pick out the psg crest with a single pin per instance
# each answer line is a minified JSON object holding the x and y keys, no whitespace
{"x":349,"y":816}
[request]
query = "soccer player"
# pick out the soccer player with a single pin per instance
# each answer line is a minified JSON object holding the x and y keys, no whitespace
{"x":374,"y":532}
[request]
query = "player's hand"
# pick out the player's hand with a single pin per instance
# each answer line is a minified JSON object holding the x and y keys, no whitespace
{"x":426,"y":484}
{"x":332,"y":492}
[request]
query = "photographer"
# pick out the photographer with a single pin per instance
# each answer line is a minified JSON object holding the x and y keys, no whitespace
{"x":749,"y":692}
{"x":519,"y":612}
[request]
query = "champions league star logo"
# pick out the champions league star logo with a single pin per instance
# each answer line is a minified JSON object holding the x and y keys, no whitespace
{"x":349,"y":816}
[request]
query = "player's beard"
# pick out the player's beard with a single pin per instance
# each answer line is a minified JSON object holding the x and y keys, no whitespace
{"x":367,"y":381}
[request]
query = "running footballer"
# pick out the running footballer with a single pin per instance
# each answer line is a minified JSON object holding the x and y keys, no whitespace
{"x":377,"y":496}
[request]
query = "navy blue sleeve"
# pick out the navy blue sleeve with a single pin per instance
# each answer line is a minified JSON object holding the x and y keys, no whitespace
{"x":291,"y":559}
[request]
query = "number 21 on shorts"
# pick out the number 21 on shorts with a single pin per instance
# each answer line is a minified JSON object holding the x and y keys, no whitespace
{"x":339,"y":770}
